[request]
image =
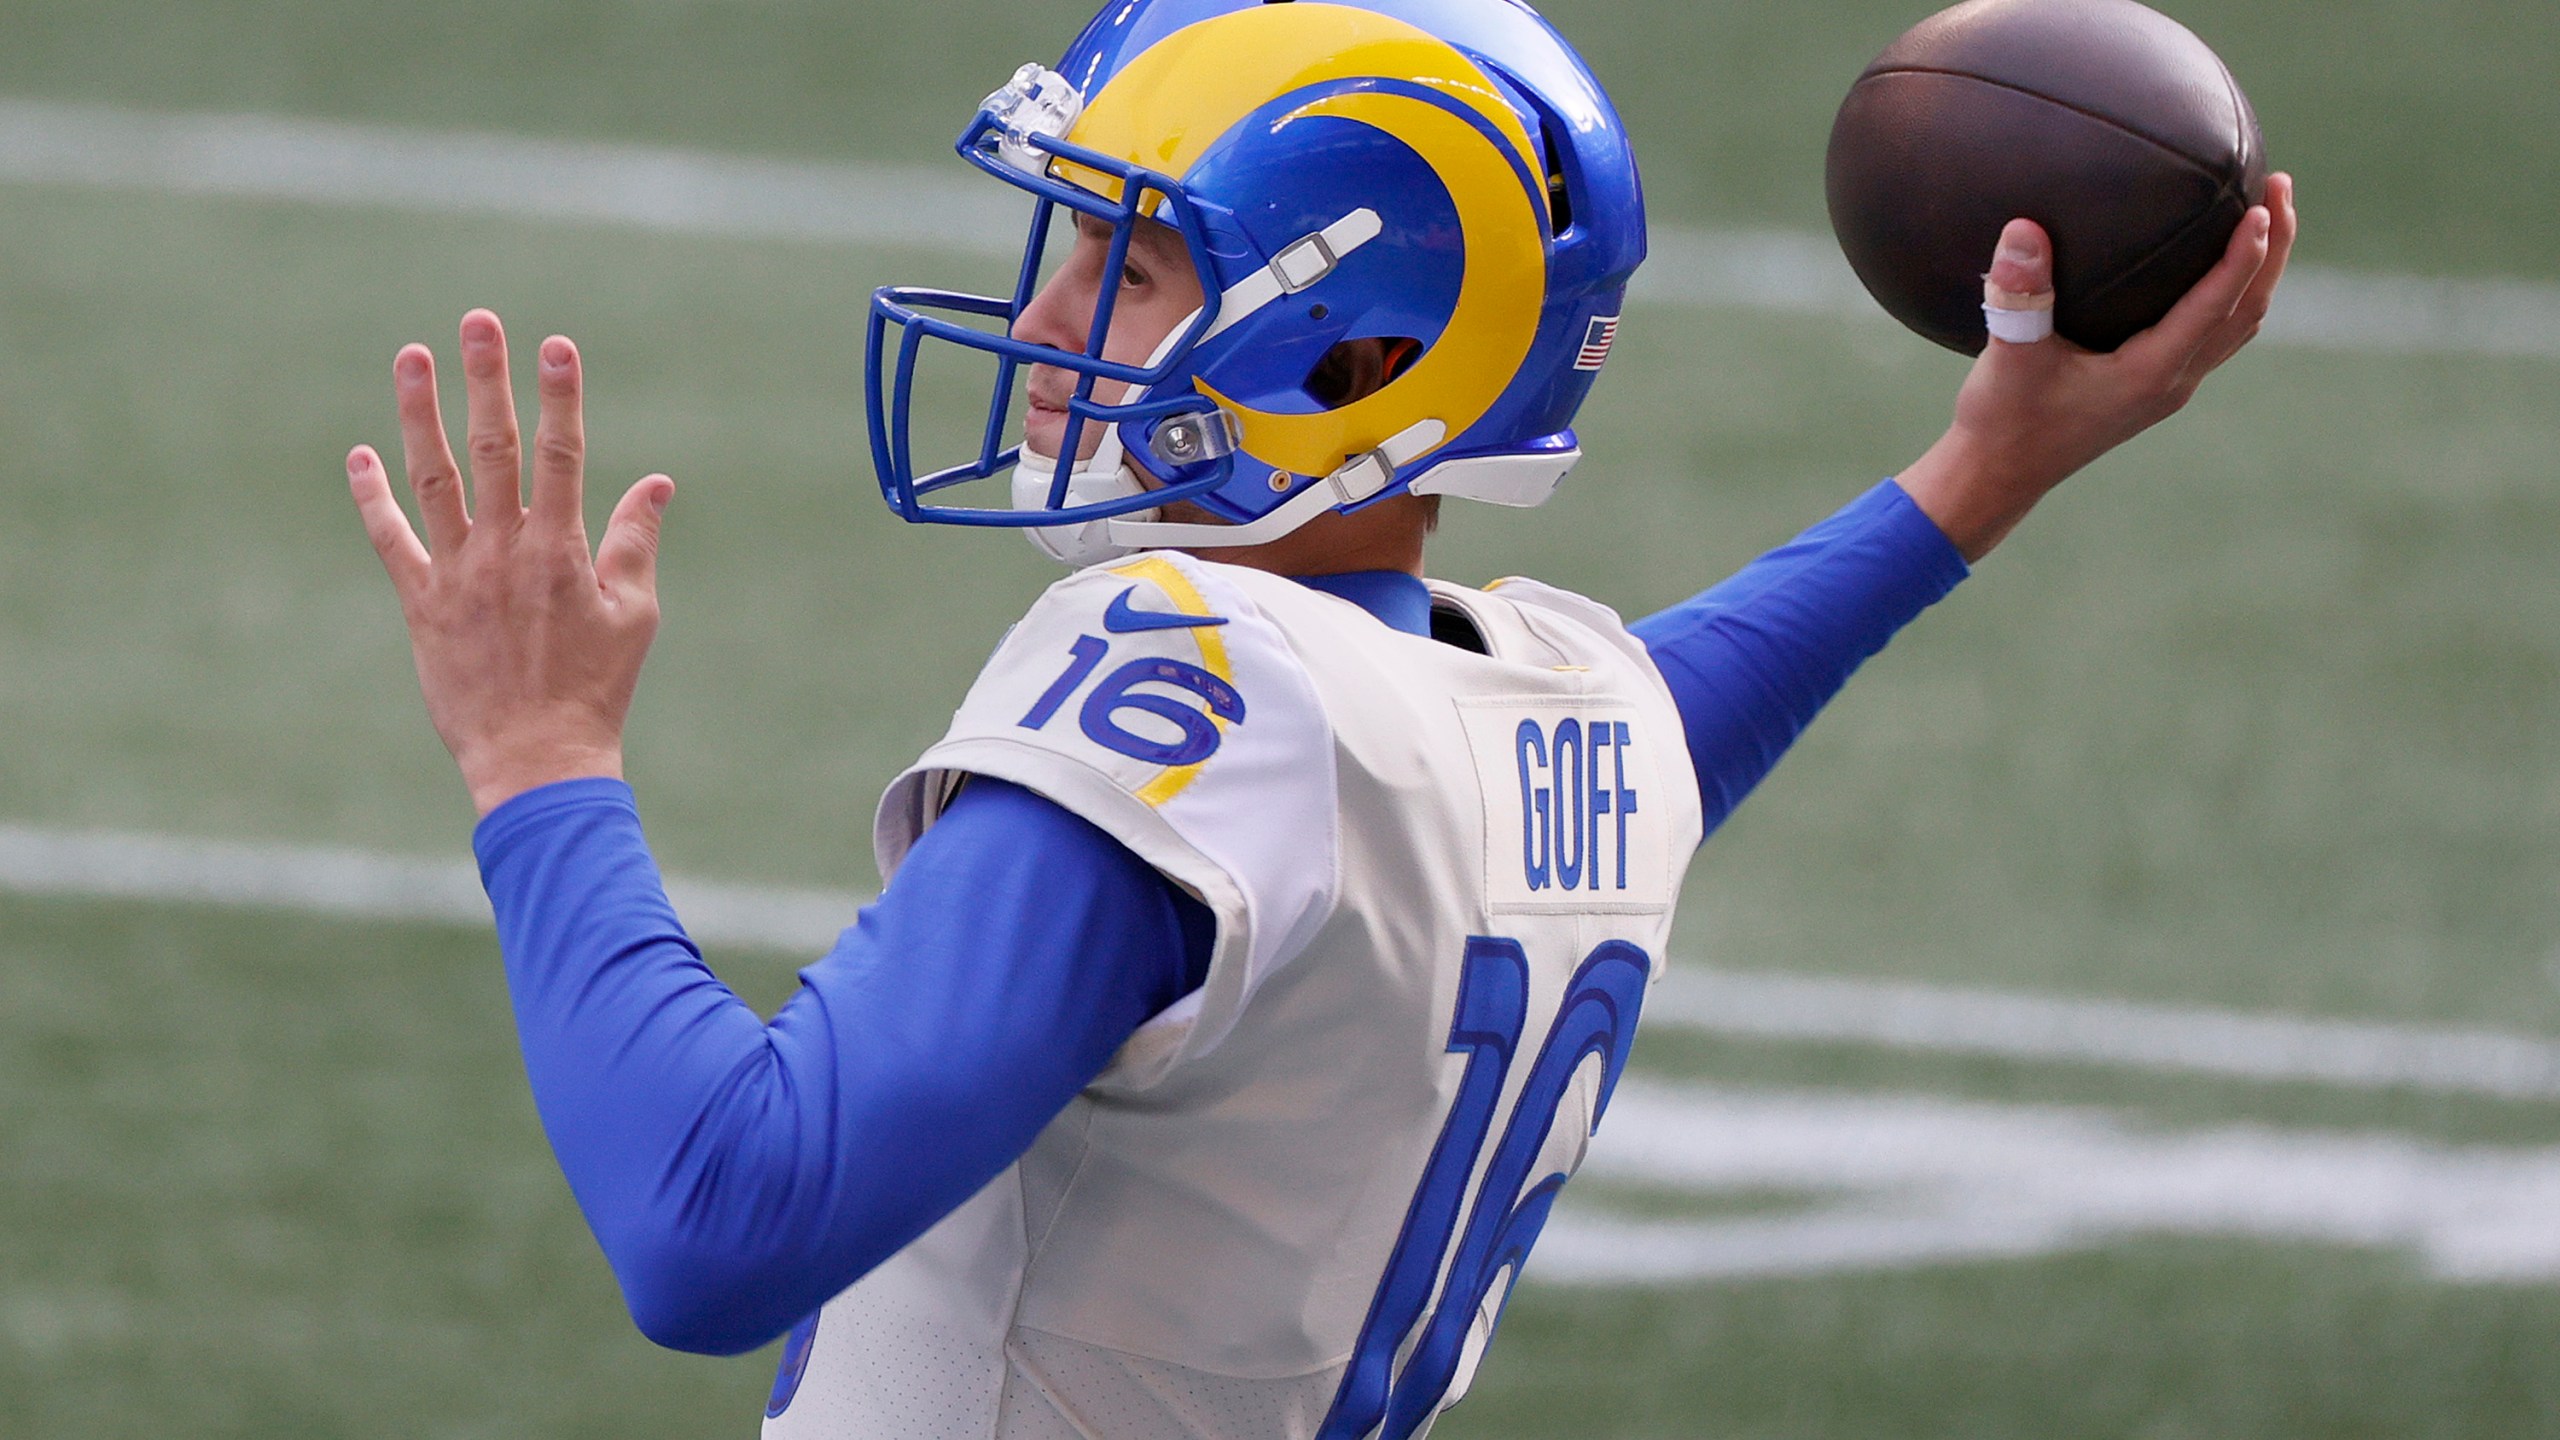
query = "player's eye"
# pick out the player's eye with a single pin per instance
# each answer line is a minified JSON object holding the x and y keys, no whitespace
{"x":1132,"y":278}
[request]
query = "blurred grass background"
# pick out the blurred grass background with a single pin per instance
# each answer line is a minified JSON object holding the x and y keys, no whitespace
{"x":2257,"y":712}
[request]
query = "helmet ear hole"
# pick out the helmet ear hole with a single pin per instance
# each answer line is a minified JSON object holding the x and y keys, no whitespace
{"x":1555,"y":151}
{"x":1356,"y":369}
{"x":1559,"y":195}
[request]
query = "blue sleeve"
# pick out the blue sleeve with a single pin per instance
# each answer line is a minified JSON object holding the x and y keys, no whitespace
{"x":1751,"y":661}
{"x":739,"y":1173}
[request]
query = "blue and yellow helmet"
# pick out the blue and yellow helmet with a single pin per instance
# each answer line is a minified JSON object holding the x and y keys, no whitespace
{"x":1440,"y":172}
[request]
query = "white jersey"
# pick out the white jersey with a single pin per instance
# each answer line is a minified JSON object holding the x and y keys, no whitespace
{"x":1295,"y":1201}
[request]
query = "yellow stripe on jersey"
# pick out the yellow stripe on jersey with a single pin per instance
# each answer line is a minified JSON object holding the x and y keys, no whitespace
{"x":1186,"y":598}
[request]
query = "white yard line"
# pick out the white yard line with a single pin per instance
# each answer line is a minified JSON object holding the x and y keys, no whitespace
{"x":2191,"y":1039}
{"x":363,"y":885}
{"x":942,"y":206}
{"x":1933,"y":1019}
{"x":682,"y":192}
{"x":1919,"y":1179}
{"x":1903,"y":1179}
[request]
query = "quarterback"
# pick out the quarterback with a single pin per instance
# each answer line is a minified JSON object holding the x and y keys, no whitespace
{"x":1260,"y":946}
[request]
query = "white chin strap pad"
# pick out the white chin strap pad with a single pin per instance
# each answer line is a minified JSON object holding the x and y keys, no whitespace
{"x":1104,"y":477}
{"x":1107,"y":476}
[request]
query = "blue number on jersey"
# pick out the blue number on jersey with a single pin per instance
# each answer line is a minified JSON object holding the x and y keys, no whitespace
{"x":796,"y":1349}
{"x":1099,"y":719}
{"x":1598,"y":1017}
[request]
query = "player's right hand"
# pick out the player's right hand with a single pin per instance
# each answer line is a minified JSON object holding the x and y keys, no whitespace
{"x":528,"y":650}
{"x":2031,"y":415}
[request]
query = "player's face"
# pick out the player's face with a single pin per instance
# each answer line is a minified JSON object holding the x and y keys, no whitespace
{"x":1158,"y":291}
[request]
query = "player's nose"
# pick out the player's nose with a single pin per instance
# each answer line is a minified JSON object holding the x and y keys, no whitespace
{"x":1059,"y":315}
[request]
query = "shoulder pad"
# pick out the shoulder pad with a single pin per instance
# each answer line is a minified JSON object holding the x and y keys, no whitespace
{"x":1590,"y":614}
{"x":1154,"y":699}
{"x":1151,"y":673}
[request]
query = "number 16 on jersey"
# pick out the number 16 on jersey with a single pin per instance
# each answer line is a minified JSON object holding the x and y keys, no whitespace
{"x":1504,"y":1211}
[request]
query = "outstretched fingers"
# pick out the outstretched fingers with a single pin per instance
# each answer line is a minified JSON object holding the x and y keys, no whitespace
{"x":497,"y":460}
{"x":384,"y":522}
{"x":627,"y":558}
{"x":433,"y":477}
{"x":560,"y":441}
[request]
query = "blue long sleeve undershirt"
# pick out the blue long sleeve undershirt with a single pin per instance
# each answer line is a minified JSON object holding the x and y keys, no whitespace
{"x":1751,"y":661}
{"x":738,"y":1173}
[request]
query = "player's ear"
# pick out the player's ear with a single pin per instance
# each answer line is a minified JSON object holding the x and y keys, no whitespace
{"x":1355,"y":370}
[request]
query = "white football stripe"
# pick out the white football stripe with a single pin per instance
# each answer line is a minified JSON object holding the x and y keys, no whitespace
{"x":1919,"y":1179}
{"x":358,"y":884}
{"x":2193,"y":1039}
{"x":683,"y":192}
{"x":943,"y":206}
{"x":1911,"y":1179}
{"x":362,"y":885}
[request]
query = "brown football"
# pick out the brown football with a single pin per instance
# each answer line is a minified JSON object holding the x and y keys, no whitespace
{"x":2104,"y":121}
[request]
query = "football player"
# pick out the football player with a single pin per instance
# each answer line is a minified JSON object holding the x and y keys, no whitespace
{"x":1261,"y":944}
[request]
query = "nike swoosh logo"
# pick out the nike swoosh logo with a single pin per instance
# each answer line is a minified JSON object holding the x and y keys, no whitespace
{"x":1120,"y":619}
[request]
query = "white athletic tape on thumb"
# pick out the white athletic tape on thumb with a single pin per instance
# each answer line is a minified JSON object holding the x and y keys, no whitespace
{"x":2017,"y":327}
{"x":2020,"y":317}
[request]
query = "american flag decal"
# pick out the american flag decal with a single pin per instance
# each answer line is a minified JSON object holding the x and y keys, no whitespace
{"x":1596,"y":340}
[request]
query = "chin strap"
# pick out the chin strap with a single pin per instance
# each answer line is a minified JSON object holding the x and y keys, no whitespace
{"x":1357,"y":480}
{"x":1108,"y":475}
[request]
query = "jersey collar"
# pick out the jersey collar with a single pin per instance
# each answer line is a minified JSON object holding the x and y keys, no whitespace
{"x":1399,"y":601}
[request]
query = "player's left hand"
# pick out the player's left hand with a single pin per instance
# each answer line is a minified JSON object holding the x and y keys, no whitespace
{"x":528,"y":650}
{"x":2030,"y":415}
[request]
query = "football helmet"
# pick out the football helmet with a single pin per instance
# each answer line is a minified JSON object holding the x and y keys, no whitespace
{"x":1442,"y":175}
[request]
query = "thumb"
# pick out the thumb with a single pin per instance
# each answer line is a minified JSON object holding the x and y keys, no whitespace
{"x":2017,"y":293}
{"x":2023,"y":265}
{"x":627,"y":559}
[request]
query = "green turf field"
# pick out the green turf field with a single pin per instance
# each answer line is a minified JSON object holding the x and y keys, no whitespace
{"x":2256,"y":714}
